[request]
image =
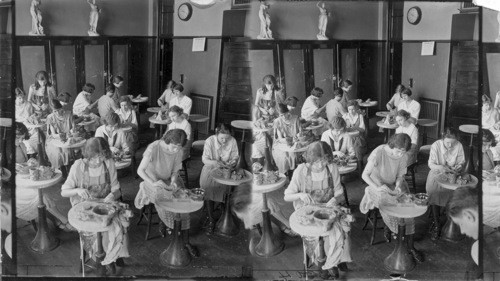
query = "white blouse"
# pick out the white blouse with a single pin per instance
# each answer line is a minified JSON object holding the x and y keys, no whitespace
{"x":413,"y":108}
{"x":184,"y":125}
{"x":185,"y":103}
{"x":411,"y":131}
{"x":308,"y":108}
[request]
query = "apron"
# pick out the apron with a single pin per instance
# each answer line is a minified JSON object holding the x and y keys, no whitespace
{"x":263,"y":103}
{"x":96,"y":190}
{"x":332,"y":144}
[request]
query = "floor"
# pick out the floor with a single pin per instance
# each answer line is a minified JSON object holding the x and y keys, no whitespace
{"x":231,"y":257}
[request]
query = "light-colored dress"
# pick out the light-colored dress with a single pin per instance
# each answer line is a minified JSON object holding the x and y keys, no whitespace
{"x":395,"y":100}
{"x":162,"y":166}
{"x":100,"y":182}
{"x":23,"y":113}
{"x":413,"y":107}
{"x":81,"y":103}
{"x":36,"y":96}
{"x":344,"y":142}
{"x":116,"y":139}
{"x":213,"y":150}
{"x":129,"y":119}
{"x":268,"y":102}
{"x":186,"y":127}
{"x":167,"y":96}
{"x":185,"y":103}
{"x":311,"y":104}
{"x":357,"y":122}
{"x":284,"y":160}
{"x":412,"y":131}
{"x":386,"y":169}
{"x":322,"y":188}
{"x":58,"y":156}
{"x":439,"y":155}
{"x":489,"y":118}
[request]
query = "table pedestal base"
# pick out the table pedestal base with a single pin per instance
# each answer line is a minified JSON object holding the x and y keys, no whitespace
{"x":227,"y":224}
{"x":400,"y":261}
{"x":176,"y":255}
{"x":451,"y":231}
{"x":44,"y":240}
{"x":269,"y":245}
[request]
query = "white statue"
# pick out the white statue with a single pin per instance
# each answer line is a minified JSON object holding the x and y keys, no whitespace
{"x":94,"y":17}
{"x":36,"y":18}
{"x":498,"y":19}
{"x":323,"y":21}
{"x":265,"y":22}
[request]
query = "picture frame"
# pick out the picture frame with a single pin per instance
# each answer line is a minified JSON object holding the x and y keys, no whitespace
{"x":241,"y":4}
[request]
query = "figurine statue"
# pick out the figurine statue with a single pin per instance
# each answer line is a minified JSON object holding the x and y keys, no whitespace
{"x":36,"y":18}
{"x":323,"y":21}
{"x":498,"y":19}
{"x":94,"y":17}
{"x":265,"y":22}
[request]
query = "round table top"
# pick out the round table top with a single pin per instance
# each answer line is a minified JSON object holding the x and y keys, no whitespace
{"x":124,"y":163}
{"x":384,"y":125}
{"x":231,"y":182}
{"x":85,"y":225}
{"x":34,"y":126}
{"x":6,"y":175}
{"x":313,"y":230}
{"x":427,"y":122}
{"x":60,"y":144}
{"x":382,"y":113}
{"x":454,"y":186}
{"x":265,"y":188}
{"x":368,"y":104}
{"x":159,"y":122}
{"x":352,"y":132}
{"x":242,"y":124}
{"x":470,"y":129}
{"x":8,"y":245}
{"x":153,"y":109}
{"x":140,"y":100}
{"x":126,"y":128}
{"x":27,"y":183}
{"x":351,"y":167}
{"x":314,"y":127}
{"x":403,"y":212}
{"x":180,"y":206}
{"x":198,"y":118}
{"x":474,"y":252}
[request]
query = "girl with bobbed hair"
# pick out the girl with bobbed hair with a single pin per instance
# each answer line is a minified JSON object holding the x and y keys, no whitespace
{"x":446,"y":155}
{"x":406,"y":127}
{"x":179,"y":121}
{"x":159,"y":169}
{"x":410,"y":105}
{"x":489,"y":115}
{"x":396,"y":98}
{"x":312,"y":107}
{"x":488,"y":156}
{"x":181,"y":100}
{"x":40,"y":89}
{"x":220,"y":150}
{"x":267,"y":98}
{"x":316,"y":182}
{"x":385,"y":175}
{"x":112,"y":133}
{"x":167,"y":95}
{"x":95,"y":177}
{"x":339,"y":141}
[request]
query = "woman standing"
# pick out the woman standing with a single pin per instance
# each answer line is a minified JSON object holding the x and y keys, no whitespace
{"x":286,"y":127}
{"x":384,"y":173}
{"x":94,"y":177}
{"x":24,"y":109}
{"x":340,"y":143}
{"x":267,"y":99}
{"x":220,"y":150}
{"x":447,"y":155}
{"x":315,"y":182}
{"x":406,"y":127}
{"x":179,"y":122}
{"x":59,"y":122}
{"x":489,"y":115}
{"x":159,"y":169}
{"x":409,"y":105}
{"x":42,"y":88}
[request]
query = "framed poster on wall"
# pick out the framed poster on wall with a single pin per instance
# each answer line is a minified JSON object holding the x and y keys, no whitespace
{"x":241,"y":4}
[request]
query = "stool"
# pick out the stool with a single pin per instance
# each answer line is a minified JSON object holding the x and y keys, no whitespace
{"x":184,"y":171}
{"x":147,"y":212}
{"x":411,"y":172}
{"x":372,"y":217}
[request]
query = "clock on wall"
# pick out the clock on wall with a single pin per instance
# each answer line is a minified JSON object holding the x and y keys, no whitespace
{"x":414,"y":15}
{"x":185,"y":11}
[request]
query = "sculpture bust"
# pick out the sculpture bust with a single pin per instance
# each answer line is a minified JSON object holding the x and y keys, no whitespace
{"x":36,"y":18}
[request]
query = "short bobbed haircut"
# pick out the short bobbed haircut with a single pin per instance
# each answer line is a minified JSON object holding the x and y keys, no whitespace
{"x":97,"y":146}
{"x":175,"y":136}
{"x":318,"y":150}
{"x":400,"y":141}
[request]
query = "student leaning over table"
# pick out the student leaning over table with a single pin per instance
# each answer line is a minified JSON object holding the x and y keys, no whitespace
{"x":446,"y":155}
{"x":396,"y":98}
{"x":167,"y":95}
{"x":334,"y":107}
{"x":106,"y":104}
{"x":318,"y":181}
{"x":340,"y":143}
{"x":267,"y":98}
{"x":220,"y":150}
{"x":355,"y":121}
{"x":385,"y":175}
{"x":95,"y":177}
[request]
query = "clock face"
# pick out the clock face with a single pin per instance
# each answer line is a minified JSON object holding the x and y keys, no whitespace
{"x":185,"y":11}
{"x":414,"y":15}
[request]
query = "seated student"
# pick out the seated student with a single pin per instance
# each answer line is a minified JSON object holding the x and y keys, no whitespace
{"x":167,"y":95}
{"x":24,"y":109}
{"x":181,"y":100}
{"x":489,"y":115}
{"x":334,"y":107}
{"x":59,"y":122}
{"x":291,"y":103}
{"x":489,"y":144}
{"x":339,"y":142}
{"x":311,"y":107}
{"x":106,"y":104}
{"x":111,"y":132}
{"x":396,"y":98}
{"x":410,"y":105}
{"x":83,"y":106}
{"x":355,"y":121}
{"x":64,"y":99}
{"x":179,"y":121}
{"x":129,"y":118}
{"x":406,"y":127}
{"x":285,"y":129}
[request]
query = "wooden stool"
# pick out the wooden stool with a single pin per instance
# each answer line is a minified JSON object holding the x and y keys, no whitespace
{"x":372,"y":217}
{"x":147,"y":212}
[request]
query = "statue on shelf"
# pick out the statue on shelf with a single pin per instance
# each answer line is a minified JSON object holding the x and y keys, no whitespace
{"x":94,"y":17}
{"x":323,"y":21}
{"x":265,"y":22}
{"x":36,"y":18}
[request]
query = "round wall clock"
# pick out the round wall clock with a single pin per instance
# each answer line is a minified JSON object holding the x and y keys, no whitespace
{"x":185,"y":11}
{"x":414,"y":15}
